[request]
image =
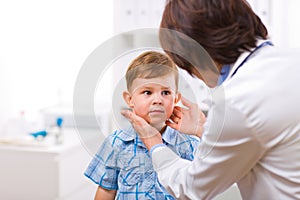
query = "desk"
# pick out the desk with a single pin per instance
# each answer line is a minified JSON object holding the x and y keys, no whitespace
{"x":56,"y":172}
{"x":49,"y":172}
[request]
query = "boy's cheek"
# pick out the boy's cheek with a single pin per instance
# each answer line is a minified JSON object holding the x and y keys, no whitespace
{"x":141,"y":112}
{"x":169,"y":111}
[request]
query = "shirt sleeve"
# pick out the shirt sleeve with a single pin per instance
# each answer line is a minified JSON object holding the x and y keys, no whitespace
{"x":103,"y":168}
{"x":228,"y":151}
{"x":193,"y":142}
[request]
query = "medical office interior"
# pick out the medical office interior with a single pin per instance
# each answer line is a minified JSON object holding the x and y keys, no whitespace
{"x":43,"y":46}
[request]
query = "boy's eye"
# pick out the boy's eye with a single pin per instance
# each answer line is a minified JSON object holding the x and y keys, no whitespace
{"x":166,"y":92}
{"x":146,"y":92}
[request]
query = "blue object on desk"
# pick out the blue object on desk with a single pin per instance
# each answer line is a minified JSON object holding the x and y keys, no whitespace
{"x":44,"y":133}
{"x":59,"y":121}
{"x":39,"y":133}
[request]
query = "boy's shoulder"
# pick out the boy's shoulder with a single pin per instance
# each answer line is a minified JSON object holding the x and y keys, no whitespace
{"x":120,"y":137}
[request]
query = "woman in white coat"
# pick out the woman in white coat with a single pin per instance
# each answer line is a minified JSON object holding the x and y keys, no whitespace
{"x":251,"y":135}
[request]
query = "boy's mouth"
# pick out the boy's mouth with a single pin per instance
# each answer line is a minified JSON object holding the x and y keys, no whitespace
{"x":156,"y":111}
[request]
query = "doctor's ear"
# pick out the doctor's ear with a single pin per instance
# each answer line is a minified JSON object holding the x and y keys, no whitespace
{"x":177,"y":97}
{"x":128,"y":99}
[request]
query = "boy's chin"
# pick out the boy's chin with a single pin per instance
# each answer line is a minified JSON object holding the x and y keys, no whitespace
{"x":158,"y":125}
{"x":157,"y":120}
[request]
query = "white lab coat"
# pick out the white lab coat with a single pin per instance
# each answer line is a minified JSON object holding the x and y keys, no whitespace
{"x":252,"y":135}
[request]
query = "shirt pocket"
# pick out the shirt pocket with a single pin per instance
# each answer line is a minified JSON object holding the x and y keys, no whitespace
{"x":130,"y":172}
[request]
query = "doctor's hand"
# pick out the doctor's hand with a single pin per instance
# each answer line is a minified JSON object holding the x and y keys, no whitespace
{"x":148,"y":134}
{"x":188,"y":120}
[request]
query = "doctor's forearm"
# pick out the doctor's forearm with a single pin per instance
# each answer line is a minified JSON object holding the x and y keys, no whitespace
{"x":168,"y":166}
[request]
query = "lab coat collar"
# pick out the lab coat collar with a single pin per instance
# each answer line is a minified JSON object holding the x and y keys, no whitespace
{"x":242,"y":58}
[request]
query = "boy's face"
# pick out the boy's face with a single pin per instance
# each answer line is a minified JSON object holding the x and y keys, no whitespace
{"x":153,"y":99}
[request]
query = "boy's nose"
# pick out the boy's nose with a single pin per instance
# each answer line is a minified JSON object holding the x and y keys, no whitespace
{"x":157,"y":99}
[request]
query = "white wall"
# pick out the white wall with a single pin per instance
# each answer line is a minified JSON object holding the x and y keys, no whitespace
{"x":293,"y":23}
{"x":282,"y":20}
{"x":44,"y":43}
{"x":42,"y":47}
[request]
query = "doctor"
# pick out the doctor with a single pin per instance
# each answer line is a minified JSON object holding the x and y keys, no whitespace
{"x":252,"y":132}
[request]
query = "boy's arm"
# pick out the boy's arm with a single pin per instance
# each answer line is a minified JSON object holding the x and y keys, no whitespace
{"x":104,"y":194}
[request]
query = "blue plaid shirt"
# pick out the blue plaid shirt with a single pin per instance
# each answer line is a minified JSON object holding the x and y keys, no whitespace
{"x":123,"y":164}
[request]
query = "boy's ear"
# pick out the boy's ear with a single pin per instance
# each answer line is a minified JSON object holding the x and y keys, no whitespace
{"x":177,"y":97}
{"x":127,"y":99}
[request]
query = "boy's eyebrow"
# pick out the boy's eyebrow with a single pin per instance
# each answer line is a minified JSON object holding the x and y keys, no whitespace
{"x":149,"y":87}
{"x":142,"y":88}
{"x":167,"y":88}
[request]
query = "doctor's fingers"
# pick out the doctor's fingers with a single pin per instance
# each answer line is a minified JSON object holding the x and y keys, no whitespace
{"x":177,"y":112}
{"x":128,"y":114}
{"x":202,"y":117}
{"x":187,"y":103}
{"x":131,"y":117}
{"x":139,"y":124}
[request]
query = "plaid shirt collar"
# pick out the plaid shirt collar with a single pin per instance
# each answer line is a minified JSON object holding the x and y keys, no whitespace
{"x":130,"y":134}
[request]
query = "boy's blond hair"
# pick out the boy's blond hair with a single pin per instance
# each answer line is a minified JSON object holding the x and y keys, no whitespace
{"x":150,"y":64}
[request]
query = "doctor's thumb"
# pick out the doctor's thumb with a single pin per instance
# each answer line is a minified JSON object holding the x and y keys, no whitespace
{"x":128,"y":114}
{"x":187,"y":102}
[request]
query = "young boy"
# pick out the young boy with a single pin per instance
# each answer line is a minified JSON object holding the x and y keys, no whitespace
{"x":122,"y":167}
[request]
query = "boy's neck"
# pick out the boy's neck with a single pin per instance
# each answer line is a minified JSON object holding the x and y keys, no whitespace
{"x":161,"y":128}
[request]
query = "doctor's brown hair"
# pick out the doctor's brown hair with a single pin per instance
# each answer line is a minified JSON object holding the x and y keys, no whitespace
{"x":151,"y":64}
{"x":224,"y":28}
